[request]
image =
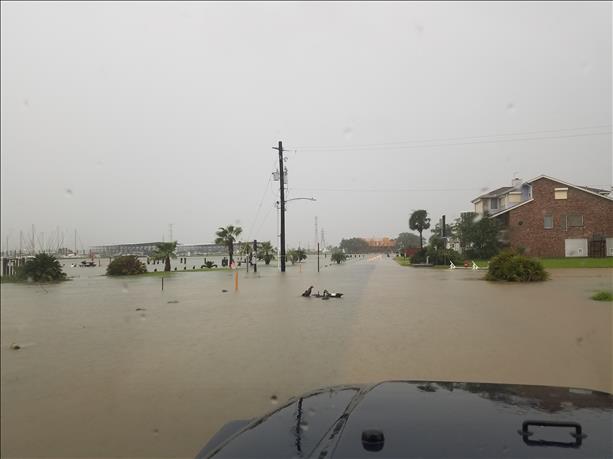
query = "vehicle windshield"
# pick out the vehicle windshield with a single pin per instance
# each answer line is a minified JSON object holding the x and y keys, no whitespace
{"x":210,"y":209}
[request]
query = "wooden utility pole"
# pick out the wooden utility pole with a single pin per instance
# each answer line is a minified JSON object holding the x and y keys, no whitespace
{"x":282,"y":204}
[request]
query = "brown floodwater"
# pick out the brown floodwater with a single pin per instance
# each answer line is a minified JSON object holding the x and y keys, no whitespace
{"x":96,"y":377}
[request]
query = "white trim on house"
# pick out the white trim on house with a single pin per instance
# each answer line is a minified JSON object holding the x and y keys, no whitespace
{"x":504,"y":211}
{"x":569,"y":184}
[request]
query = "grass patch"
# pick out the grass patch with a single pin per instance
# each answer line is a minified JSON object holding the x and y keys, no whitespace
{"x":403,"y":261}
{"x":577,"y":262}
{"x":553,"y":263}
{"x":11,"y":280}
{"x":603,"y":295}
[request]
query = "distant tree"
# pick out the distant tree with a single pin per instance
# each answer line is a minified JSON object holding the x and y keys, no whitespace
{"x":127,"y":265}
{"x":407,"y":240}
{"x":42,"y":268}
{"x":227,"y":236}
{"x":296,"y":255}
{"x":165,"y":251}
{"x":338,"y":257}
{"x":419,"y":221}
{"x":354,"y":245}
{"x":266,"y":252}
{"x":478,"y":236}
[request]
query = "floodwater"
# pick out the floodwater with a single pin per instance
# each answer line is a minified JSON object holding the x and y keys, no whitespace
{"x":96,"y":377}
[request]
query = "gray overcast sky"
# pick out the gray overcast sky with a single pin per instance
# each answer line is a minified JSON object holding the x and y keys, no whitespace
{"x":120,"y":118}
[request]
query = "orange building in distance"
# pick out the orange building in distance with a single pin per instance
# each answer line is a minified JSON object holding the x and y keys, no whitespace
{"x":383,"y":244}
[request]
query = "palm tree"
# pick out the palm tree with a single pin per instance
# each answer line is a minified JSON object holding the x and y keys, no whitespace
{"x":165,"y":251}
{"x":419,"y":221}
{"x":227,"y":236}
{"x":41,"y":268}
{"x":266,"y":252}
{"x":338,"y":257}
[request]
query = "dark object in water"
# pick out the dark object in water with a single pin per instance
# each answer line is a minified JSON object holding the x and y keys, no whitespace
{"x":224,"y":291}
{"x":15,"y":346}
{"x":307,"y":292}
{"x":140,"y":309}
{"x":326,"y":295}
{"x":172,"y":302}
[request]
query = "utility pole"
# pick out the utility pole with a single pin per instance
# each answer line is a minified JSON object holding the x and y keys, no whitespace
{"x":75,"y":242}
{"x":282,"y":204}
{"x":255,"y":256}
{"x":316,"y":233}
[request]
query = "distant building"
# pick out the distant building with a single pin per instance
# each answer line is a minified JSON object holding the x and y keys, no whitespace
{"x":145,"y":249}
{"x":548,"y":217}
{"x":383,"y":244}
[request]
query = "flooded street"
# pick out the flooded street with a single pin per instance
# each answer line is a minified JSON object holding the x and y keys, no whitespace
{"x":96,"y":377}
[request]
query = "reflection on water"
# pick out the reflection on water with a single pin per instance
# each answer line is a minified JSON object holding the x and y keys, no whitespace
{"x":118,"y":367}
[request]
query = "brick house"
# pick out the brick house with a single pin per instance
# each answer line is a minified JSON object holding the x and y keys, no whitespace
{"x":552,"y":218}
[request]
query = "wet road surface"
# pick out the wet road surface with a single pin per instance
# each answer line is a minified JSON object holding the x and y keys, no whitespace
{"x":96,"y":377}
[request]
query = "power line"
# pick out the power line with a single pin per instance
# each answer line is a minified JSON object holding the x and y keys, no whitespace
{"x":257,"y":233}
{"x":266,"y":188}
{"x":424,"y":144}
{"x":385,"y":190}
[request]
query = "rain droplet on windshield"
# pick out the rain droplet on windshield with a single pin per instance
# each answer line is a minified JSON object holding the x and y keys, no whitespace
{"x":68,"y":193}
{"x":274,"y":399}
{"x":348,"y":133}
{"x":304,"y":426}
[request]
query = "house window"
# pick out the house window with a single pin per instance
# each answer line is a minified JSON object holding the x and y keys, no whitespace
{"x":574,"y":221}
{"x":494,"y":204}
{"x":548,"y":222}
{"x":560,"y":193}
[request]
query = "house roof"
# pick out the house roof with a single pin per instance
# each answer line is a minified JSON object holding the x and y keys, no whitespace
{"x":504,"y":211}
{"x":495,"y":193}
{"x":586,"y":189}
{"x":595,"y":191}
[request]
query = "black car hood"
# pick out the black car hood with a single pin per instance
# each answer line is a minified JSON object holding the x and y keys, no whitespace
{"x":427,"y":419}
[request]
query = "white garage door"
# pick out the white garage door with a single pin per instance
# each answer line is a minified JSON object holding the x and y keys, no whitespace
{"x":575,"y":247}
{"x":610,"y":247}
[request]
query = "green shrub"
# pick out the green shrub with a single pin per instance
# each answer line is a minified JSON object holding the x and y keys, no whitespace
{"x":338,"y":257}
{"x":513,"y":267}
{"x":603,"y":295}
{"x":128,"y":265}
{"x":41,"y":268}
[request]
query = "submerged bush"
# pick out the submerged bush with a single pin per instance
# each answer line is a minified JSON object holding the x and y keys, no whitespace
{"x":127,"y":265}
{"x":513,"y":267}
{"x":603,"y":295}
{"x":41,"y":268}
{"x":338,"y":257}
